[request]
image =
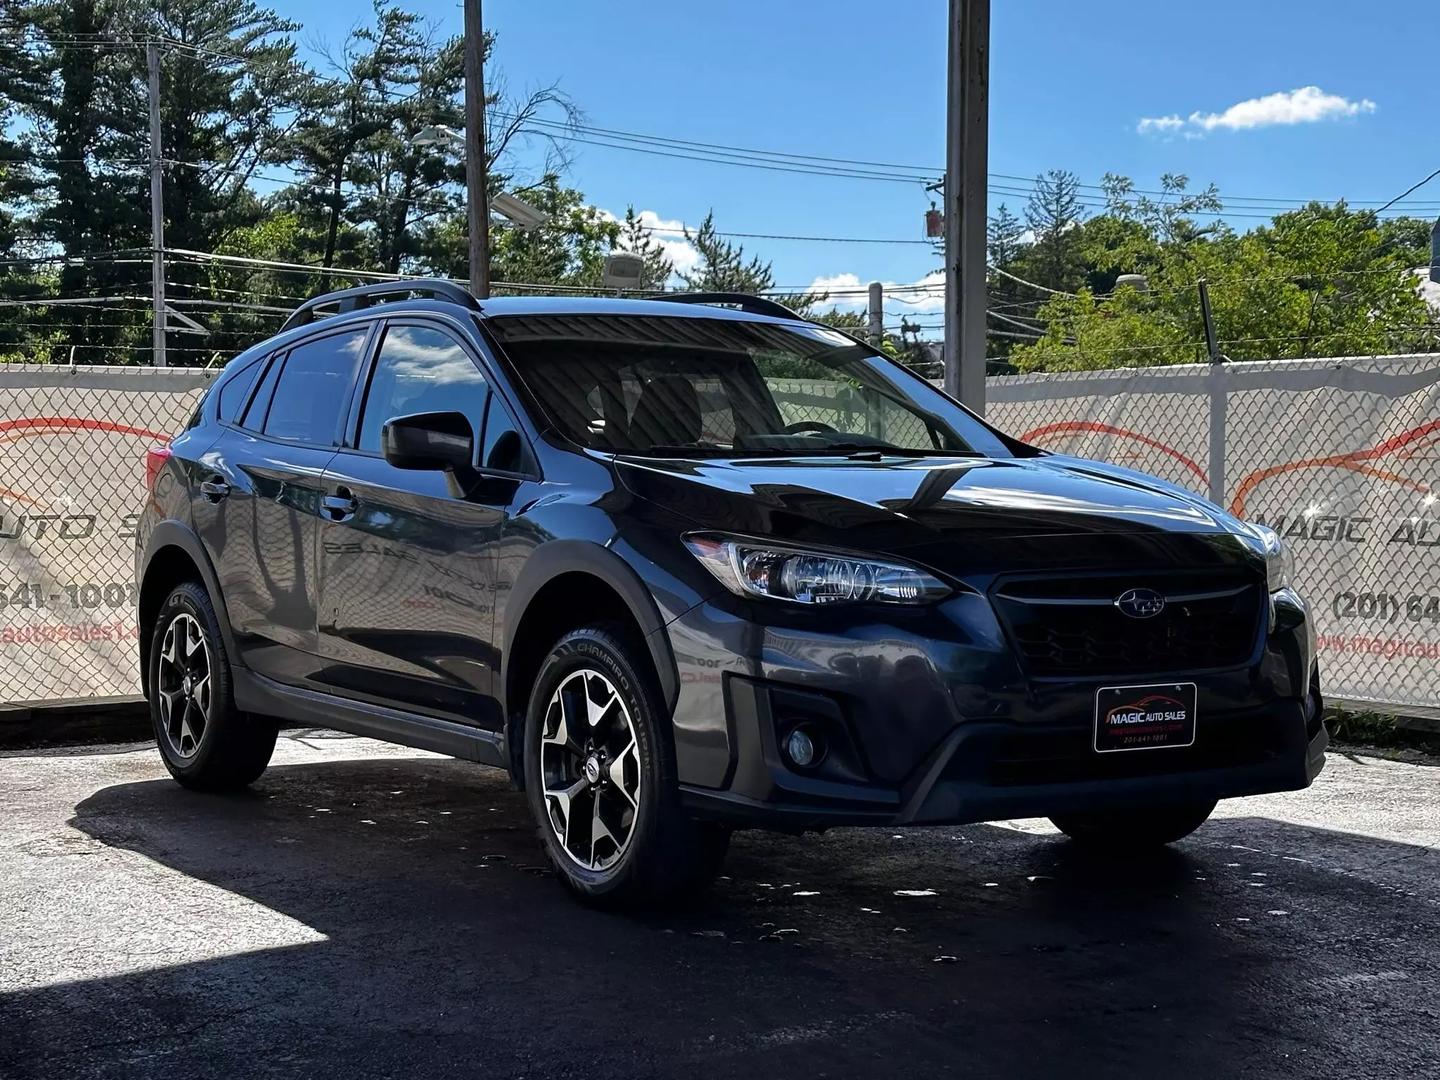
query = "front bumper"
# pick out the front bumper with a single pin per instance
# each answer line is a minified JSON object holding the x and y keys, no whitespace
{"x":935,"y":722}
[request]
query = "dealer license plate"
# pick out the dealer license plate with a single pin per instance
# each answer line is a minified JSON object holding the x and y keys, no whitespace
{"x":1154,"y":717}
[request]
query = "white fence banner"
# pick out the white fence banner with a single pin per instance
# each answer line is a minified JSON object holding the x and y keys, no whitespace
{"x":72,"y":482}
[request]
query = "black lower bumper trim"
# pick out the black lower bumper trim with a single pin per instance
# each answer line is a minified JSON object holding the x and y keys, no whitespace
{"x":966,"y":779}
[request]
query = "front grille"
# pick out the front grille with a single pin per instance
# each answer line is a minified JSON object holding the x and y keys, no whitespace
{"x":1071,"y":627}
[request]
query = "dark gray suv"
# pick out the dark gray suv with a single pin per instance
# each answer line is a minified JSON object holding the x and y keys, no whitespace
{"x":692,"y":564}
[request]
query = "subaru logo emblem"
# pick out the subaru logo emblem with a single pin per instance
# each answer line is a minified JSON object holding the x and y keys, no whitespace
{"x":1140,"y":603}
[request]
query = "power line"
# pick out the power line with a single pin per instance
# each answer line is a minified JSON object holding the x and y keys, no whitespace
{"x":796,"y":168}
{"x":912,"y":173}
{"x":1408,"y":190}
{"x":721,"y":153}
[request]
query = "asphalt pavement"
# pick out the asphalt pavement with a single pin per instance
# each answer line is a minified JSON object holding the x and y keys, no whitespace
{"x":372,"y":911}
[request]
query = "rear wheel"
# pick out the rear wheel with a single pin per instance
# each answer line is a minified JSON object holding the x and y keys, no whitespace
{"x":600,"y":776}
{"x":206,"y":743}
{"x":1137,"y":829}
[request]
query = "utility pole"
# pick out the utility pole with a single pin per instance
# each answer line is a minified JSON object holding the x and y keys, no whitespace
{"x":875,"y":330}
{"x":966,"y":161}
{"x":1211,"y":345}
{"x":157,"y":208}
{"x":477,"y":196}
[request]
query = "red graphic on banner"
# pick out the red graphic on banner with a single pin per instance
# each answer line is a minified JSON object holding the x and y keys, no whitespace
{"x":30,"y":427}
{"x":1406,"y":445}
{"x":1069,"y":426}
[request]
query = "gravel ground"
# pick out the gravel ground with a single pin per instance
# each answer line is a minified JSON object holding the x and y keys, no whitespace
{"x":372,"y":911}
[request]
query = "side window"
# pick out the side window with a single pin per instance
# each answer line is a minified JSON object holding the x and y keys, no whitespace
{"x":237,"y":389}
{"x":504,"y":447}
{"x":421,"y":369}
{"x":314,"y":387}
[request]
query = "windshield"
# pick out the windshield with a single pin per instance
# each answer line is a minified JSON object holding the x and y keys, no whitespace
{"x":687,"y":386}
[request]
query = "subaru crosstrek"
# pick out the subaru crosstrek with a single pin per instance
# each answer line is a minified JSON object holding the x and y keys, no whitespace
{"x":693,"y":564}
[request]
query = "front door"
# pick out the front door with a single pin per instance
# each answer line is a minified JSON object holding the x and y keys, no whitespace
{"x":406,"y":556}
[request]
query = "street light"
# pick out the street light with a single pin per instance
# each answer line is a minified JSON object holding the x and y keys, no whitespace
{"x":517,"y":211}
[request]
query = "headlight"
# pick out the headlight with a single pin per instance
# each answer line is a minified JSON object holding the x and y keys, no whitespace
{"x":1279,"y":566}
{"x":753,"y":568}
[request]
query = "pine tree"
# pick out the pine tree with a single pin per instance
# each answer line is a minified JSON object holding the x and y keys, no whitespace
{"x":639,"y":239}
{"x":1053,"y":213}
{"x":1004,"y":237}
{"x":724,"y":267}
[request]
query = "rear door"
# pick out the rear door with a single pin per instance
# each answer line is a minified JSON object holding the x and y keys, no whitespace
{"x":259,"y":504}
{"x":407,"y":565}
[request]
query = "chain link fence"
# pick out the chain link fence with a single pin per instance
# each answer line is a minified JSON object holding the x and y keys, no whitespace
{"x":72,"y":481}
{"x":1342,"y":457}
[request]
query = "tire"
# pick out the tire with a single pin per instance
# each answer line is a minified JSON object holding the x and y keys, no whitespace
{"x":595,"y":683}
{"x":205,"y":741}
{"x":1134,"y":830}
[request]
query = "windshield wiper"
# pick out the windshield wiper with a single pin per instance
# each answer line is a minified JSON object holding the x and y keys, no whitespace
{"x":848,"y":451}
{"x":870,"y":452}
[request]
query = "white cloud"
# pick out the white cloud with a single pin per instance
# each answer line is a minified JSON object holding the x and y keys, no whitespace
{"x":1306,"y":105}
{"x":669,"y":233}
{"x":1164,"y":125}
{"x":849,"y":293}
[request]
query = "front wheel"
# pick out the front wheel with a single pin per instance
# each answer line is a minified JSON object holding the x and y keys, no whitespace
{"x":1137,"y":829}
{"x":600,"y":776}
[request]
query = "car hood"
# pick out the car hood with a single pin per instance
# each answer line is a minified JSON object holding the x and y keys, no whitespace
{"x":954,"y":513}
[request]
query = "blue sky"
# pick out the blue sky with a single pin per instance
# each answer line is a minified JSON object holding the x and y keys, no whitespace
{"x":865,"y":80}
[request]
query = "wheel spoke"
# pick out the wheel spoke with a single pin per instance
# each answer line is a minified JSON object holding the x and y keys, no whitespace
{"x":625,"y":773}
{"x":169,"y":651}
{"x":193,"y":638}
{"x":200,"y":692}
{"x":167,"y":704}
{"x":600,"y":831}
{"x":563,"y":800}
{"x":599,"y":714}
{"x":186,"y":732}
{"x":565,"y":712}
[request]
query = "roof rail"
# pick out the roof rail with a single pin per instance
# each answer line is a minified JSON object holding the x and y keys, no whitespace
{"x":755,"y":305}
{"x":363,"y":296}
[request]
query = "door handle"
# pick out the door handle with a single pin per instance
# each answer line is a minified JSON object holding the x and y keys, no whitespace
{"x":214,"y":490}
{"x":341,"y":506}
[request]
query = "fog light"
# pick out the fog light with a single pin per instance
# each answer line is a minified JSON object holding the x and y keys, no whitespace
{"x":800,"y":748}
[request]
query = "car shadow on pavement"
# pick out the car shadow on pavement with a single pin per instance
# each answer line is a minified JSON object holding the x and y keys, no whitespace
{"x":441,"y":946}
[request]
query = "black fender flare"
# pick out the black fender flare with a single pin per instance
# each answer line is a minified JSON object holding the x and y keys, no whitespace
{"x":172,"y":533}
{"x":558,"y":557}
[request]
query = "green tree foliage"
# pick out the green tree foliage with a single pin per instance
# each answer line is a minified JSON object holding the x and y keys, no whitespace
{"x":1324,"y":280}
{"x":570,"y":250}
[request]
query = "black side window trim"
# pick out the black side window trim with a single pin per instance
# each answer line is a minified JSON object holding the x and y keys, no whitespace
{"x":272,"y":363}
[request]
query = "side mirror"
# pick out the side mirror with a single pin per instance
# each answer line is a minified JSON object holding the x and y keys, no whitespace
{"x":437,"y":440}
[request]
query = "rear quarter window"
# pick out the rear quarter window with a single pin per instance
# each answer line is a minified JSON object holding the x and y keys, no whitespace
{"x":235,"y":389}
